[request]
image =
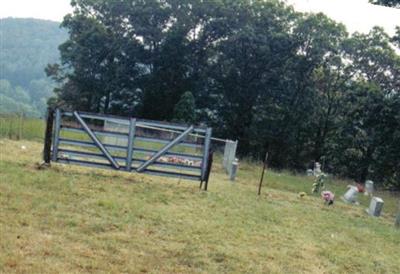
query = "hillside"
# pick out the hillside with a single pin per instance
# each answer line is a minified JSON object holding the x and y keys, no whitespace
{"x":79,"y":220}
{"x":27,"y":46}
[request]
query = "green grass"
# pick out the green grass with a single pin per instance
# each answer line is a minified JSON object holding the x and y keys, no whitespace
{"x":67,"y":219}
{"x":17,"y":127}
{"x":301,"y":183}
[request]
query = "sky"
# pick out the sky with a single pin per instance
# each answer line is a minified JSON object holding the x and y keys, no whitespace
{"x":357,"y":15}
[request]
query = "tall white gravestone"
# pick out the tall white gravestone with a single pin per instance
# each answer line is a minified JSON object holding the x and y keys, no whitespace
{"x":234,"y":168}
{"x":375,"y":207}
{"x":369,"y":187}
{"x":317,"y":169}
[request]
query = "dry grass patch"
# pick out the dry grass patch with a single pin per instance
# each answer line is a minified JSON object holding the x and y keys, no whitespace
{"x":68,"y":219}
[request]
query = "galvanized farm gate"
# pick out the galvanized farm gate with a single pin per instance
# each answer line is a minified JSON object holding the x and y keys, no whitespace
{"x":148,"y":147}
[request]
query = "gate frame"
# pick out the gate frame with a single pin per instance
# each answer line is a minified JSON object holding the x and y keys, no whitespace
{"x":53,"y":140}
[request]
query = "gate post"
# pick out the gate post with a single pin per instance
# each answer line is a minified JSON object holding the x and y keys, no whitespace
{"x":47,"y":135}
{"x":56,"y":135}
{"x":207,"y":141}
{"x":209,"y":165}
{"x":131,"y":136}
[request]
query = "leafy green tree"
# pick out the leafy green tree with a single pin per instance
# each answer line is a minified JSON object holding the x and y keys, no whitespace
{"x":388,"y":3}
{"x":185,"y":109}
{"x":294,"y":84}
{"x":369,"y":128}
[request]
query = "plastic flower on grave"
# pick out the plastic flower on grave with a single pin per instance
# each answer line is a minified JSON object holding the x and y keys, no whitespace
{"x":319,"y":183}
{"x":328,"y":197}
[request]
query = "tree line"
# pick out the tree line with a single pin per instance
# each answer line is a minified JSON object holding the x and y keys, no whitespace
{"x":27,"y":46}
{"x":296,"y":85}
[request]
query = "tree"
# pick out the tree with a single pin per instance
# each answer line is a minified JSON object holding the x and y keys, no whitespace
{"x":185,"y":109}
{"x":388,"y":3}
{"x":369,"y":124}
{"x":293,"y":84}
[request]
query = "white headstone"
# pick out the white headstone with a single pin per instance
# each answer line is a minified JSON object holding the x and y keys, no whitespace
{"x":233,"y":170}
{"x":317,"y":169}
{"x":310,"y":172}
{"x":369,"y":186}
{"x":229,"y":155}
{"x":375,"y":207}
{"x":351,"y":195}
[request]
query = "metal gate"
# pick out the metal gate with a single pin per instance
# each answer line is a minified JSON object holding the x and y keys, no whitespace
{"x":142,"y":146}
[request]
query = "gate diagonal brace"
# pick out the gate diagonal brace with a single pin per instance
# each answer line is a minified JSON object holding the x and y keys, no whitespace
{"x":96,"y":140}
{"x":165,"y":149}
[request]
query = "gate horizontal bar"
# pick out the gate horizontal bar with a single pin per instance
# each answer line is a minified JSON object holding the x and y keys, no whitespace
{"x":93,"y":155}
{"x":148,"y":171}
{"x":125,"y":136}
{"x":100,"y":132}
{"x":147,"y":151}
{"x":140,"y":122}
{"x":71,"y":142}
{"x":123,"y":149}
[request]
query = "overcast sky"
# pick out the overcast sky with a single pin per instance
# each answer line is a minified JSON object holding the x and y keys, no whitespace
{"x":357,"y":15}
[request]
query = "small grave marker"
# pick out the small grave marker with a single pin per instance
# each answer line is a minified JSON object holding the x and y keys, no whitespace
{"x":369,"y":187}
{"x":375,"y":207}
{"x":351,"y":195}
{"x":233,"y":170}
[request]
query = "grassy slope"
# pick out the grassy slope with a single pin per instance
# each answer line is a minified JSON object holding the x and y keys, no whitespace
{"x":68,"y":219}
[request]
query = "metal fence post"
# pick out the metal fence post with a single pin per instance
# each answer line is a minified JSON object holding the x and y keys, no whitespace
{"x":56,"y":135}
{"x":225,"y":159}
{"x":131,"y":136}
{"x":47,"y":136}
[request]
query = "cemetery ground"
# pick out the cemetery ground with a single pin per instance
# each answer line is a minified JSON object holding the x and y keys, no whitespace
{"x":68,"y":219}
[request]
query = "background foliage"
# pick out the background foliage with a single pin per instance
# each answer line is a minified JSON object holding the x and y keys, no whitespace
{"x":388,"y":3}
{"x":27,"y":46}
{"x":296,"y":85}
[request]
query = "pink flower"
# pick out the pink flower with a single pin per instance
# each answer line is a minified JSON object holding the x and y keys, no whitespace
{"x":328,"y":197}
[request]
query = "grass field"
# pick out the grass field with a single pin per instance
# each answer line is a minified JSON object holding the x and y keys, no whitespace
{"x":19,"y":127}
{"x":67,"y":219}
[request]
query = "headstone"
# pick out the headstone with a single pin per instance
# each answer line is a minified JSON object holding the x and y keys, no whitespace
{"x":351,"y":195}
{"x":233,"y":170}
{"x":369,"y":186}
{"x":317,"y":169}
{"x":375,"y":207}
{"x":310,"y":172}
{"x":229,"y":155}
